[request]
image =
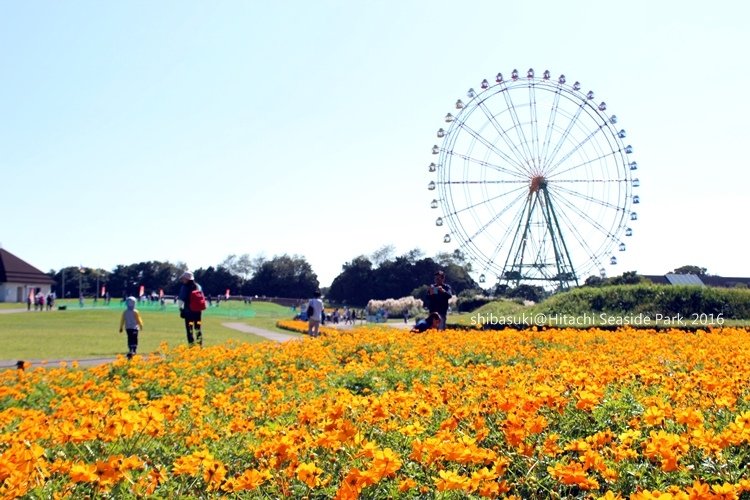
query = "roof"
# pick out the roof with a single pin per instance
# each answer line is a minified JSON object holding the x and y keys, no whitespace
{"x":15,"y":270}
{"x":725,"y":281}
{"x":684,"y":279}
{"x":657,"y":279}
{"x":703,"y":279}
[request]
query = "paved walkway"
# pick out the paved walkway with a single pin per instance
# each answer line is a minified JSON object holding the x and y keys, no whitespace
{"x":87,"y":362}
{"x":276,"y":336}
{"x":3,"y":311}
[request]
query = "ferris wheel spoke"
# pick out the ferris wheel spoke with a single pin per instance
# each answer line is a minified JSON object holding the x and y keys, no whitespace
{"x":500,"y":182}
{"x":516,"y":223}
{"x":494,"y":218}
{"x":518,"y":128}
{"x":486,"y":201}
{"x":483,"y":163}
{"x":573,"y":229}
{"x":599,"y":158}
{"x":518,"y":162}
{"x":580,"y":239}
{"x":575,"y":148}
{"x":550,"y":126}
{"x":534,"y":126}
{"x":583,"y":214}
{"x":565,"y":135}
{"x":586,"y":197}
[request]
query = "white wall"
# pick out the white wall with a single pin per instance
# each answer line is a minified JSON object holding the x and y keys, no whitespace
{"x":9,"y":291}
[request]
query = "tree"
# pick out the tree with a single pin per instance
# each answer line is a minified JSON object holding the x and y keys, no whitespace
{"x":353,"y":286}
{"x":241,"y":266}
{"x":382,"y":254}
{"x":283,"y":276}
{"x":153,"y":276}
{"x":700,"y":271}
{"x":627,"y":278}
{"x":394,"y":278}
{"x":215,"y":281}
{"x":594,"y":281}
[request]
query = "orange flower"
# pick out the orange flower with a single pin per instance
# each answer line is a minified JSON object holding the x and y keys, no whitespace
{"x":250,"y":480}
{"x":572,"y":474}
{"x":653,"y":416}
{"x":83,"y":473}
{"x":449,"y":480}
{"x":385,"y":463}
{"x":309,"y":474}
{"x":213,"y":474}
{"x":406,"y":485}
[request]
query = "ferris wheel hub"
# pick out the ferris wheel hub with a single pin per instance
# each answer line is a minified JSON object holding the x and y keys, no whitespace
{"x":537,"y":182}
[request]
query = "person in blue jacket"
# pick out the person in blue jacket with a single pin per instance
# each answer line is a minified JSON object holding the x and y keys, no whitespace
{"x":432,"y":322}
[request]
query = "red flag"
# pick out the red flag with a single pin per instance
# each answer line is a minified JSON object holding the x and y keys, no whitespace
{"x":141,"y":291}
{"x":227,"y":294}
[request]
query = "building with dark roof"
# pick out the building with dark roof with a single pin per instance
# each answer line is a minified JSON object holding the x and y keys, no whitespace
{"x":19,"y":279}
{"x":702,"y":280}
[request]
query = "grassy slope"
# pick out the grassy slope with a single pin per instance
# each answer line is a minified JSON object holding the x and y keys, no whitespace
{"x":93,"y":332}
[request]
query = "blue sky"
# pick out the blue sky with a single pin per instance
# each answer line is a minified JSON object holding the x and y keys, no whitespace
{"x":188,"y":131}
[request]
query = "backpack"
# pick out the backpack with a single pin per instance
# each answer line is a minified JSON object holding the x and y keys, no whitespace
{"x":197,"y":301}
{"x":310,"y":311}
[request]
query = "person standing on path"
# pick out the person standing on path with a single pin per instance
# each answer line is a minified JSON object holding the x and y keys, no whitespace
{"x":191,"y":306}
{"x":439,"y":294}
{"x":315,"y":315}
{"x":132,"y":322}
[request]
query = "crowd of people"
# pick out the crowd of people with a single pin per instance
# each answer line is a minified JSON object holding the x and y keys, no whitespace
{"x":40,"y":301}
{"x":438,"y":297}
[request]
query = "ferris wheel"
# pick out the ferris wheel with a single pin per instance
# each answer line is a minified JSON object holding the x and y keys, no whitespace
{"x":534,"y":181}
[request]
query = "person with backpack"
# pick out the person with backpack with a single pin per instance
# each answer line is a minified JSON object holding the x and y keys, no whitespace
{"x":192,"y":303}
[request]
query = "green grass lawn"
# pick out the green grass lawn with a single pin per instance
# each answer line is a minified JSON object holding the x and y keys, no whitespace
{"x":93,"y":331}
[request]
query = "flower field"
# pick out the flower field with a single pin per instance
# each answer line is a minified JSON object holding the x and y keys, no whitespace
{"x":381,"y":413}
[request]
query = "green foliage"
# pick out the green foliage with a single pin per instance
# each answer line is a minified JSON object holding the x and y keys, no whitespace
{"x":691,"y":270}
{"x":628,"y":300}
{"x":468,"y":300}
{"x":360,"y":281}
{"x":668,"y":300}
{"x":283,"y":276}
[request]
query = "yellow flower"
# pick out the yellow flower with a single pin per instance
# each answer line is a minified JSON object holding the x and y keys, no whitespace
{"x":309,"y":474}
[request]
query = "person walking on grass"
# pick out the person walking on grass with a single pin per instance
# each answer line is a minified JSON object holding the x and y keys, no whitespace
{"x":314,"y":314}
{"x":192,"y":303}
{"x":132,"y":322}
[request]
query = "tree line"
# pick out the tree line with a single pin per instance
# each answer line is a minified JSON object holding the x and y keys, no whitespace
{"x":381,"y":275}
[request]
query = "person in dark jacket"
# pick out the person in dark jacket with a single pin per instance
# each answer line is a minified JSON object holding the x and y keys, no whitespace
{"x":439,"y":294}
{"x":192,"y":317}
